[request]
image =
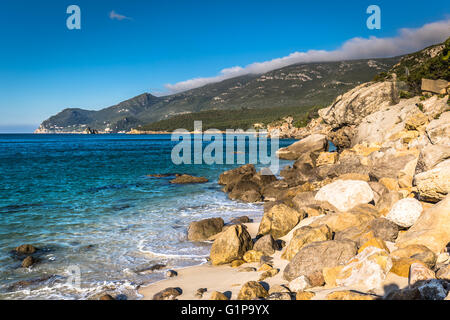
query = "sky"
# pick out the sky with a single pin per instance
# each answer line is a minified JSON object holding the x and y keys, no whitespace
{"x":125,"y":48}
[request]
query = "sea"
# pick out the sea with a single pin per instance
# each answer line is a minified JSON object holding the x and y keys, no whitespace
{"x":99,"y":220}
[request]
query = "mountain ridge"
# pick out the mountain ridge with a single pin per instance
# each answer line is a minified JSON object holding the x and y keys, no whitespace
{"x":299,"y":85}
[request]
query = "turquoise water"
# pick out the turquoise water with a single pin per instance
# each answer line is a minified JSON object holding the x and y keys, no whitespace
{"x":86,"y":201}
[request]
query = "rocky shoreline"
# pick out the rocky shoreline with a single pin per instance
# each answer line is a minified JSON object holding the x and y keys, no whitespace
{"x":370,"y":221}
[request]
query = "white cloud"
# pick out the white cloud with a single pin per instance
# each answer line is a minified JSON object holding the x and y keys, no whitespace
{"x":406,"y":41}
{"x":115,"y":16}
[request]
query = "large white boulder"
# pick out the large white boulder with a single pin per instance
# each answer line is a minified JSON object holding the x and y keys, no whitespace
{"x":405,"y":212}
{"x":312,"y":143}
{"x":346,"y":194}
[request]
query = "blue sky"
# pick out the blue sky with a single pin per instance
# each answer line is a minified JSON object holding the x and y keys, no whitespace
{"x":44,"y":67}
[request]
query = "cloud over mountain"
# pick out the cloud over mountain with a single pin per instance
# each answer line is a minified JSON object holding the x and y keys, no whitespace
{"x":406,"y":41}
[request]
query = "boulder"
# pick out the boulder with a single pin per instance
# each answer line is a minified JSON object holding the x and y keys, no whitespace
{"x":433,"y":185}
{"x":203,"y":229}
{"x":304,"y":295}
{"x":416,"y":251}
{"x":246,"y":190}
{"x":383,"y":125}
{"x":252,"y":290}
{"x":279,"y":218}
{"x":438,"y":130}
{"x":28,"y":262}
{"x":240,"y":220}
{"x":384,"y":229}
{"x":374,"y":242}
{"x":278,"y":288}
{"x":318,"y":255}
{"x":444,"y":273}
{"x":168,"y":294}
{"x":435,"y":86}
{"x":339,"y":221}
{"x":405,"y":212}
{"x":346,"y":194}
{"x":351,"y":107}
{"x":431,"y":229}
{"x":106,"y":297}
{"x":312,"y":143}
{"x":418,"y":272}
{"x":185,"y":178}
{"x":342,"y":138}
{"x":422,"y":290}
{"x":387,"y":201}
{"x":431,"y":155}
{"x":230,"y":176}
{"x":325,"y":158}
{"x":252,"y":256}
{"x":378,"y":189}
{"x":299,"y":284}
{"x":266,"y":244}
{"x":304,"y":236}
{"x":26,"y":249}
{"x":366,"y":271}
{"x":349,"y":295}
{"x":268,"y":274}
{"x":231,"y":245}
{"x":279,"y":296}
{"x":216,"y":295}
{"x":394,"y":164}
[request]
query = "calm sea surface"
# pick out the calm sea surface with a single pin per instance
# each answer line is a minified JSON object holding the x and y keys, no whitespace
{"x":86,"y":202}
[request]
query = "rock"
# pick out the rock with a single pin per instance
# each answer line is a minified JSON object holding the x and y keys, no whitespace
{"x":303,"y":236}
{"x":266,"y":244}
{"x":268,"y":274}
{"x":432,"y":290}
{"x":312,"y":143}
{"x":232,"y":176}
{"x":348,"y":295}
{"x":340,"y":221}
{"x":168,"y":294}
{"x":351,"y":107}
{"x":28,"y":262}
{"x":171,"y":273}
{"x":419,"y":272}
{"x":237,"y":263}
{"x":384,"y":229}
{"x":387,"y":201}
{"x":435,"y":106}
{"x":345,"y":194}
{"x":326,"y":158}
{"x":355,"y":176}
{"x":434,"y":86}
{"x":185,"y":178}
{"x":216,"y":295}
{"x":247,"y":191}
{"x":342,"y":138}
{"x":265,"y":267}
{"x":240,"y":220}
{"x":390,"y":183}
{"x":374,"y":242}
{"x":416,"y":251}
{"x":279,"y":218}
{"x":247,"y":269}
{"x":151,"y":268}
{"x":279,"y":288}
{"x":416,"y":121}
{"x":383,"y":125}
{"x":279,"y":296}
{"x":366,"y":271}
{"x":438,"y":130}
{"x":431,"y":229}
{"x":316,"y":279}
{"x":378,"y":189}
{"x":203,"y":229}
{"x":402,"y":266}
{"x":299,"y":284}
{"x":26,"y":249}
{"x":431,"y":155}
{"x":394,"y":165}
{"x":444,"y":273}
{"x":318,"y":255}
{"x":200,"y":292}
{"x":304,"y":295}
{"x":231,"y":245}
{"x":433,"y":185}
{"x":252,"y":290}
{"x":405,"y":212}
{"x":252,"y":256}
{"x":106,"y":297}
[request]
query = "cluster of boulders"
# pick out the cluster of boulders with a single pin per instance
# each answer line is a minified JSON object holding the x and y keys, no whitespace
{"x":377,"y":208}
{"x":26,"y":253}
